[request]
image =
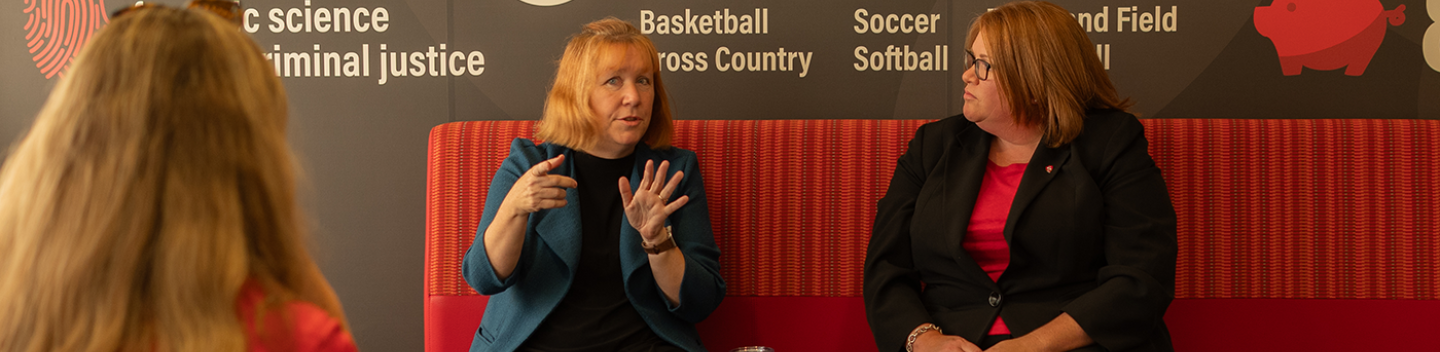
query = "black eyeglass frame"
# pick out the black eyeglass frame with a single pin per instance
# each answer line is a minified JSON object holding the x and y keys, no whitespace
{"x":971,"y":60}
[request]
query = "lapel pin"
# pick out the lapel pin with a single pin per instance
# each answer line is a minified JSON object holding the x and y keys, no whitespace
{"x":1049,"y":168}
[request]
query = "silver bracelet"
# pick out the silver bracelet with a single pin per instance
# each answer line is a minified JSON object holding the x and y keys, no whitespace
{"x":914,"y":335}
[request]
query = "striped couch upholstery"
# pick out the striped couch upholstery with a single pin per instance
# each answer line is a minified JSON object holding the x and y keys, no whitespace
{"x":1294,"y":234}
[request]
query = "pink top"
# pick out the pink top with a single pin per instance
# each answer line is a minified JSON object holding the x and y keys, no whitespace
{"x":985,"y":237}
{"x":300,"y":326}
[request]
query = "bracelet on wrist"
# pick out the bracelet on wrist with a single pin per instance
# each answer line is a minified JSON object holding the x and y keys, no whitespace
{"x":915,"y":335}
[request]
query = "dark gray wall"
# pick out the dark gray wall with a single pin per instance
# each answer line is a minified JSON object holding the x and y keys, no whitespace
{"x":362,"y":143}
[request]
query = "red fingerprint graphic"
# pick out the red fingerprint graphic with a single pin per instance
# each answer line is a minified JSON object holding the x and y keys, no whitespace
{"x":58,"y":28}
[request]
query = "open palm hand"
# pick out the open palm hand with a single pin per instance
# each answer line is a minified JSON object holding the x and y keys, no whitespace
{"x":648,"y":206}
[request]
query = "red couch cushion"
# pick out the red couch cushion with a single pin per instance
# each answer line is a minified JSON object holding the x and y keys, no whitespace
{"x":450,"y":321}
{"x":838,"y":324}
{"x":1303,"y":325}
{"x":788,"y":323}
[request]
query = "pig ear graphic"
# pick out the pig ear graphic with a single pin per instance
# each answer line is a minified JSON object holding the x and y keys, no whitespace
{"x":54,"y":40}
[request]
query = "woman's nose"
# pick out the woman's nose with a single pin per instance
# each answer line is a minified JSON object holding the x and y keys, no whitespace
{"x":969,"y":76}
{"x":629,"y":95}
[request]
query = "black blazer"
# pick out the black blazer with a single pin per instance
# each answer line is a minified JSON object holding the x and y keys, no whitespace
{"x":1093,"y":236}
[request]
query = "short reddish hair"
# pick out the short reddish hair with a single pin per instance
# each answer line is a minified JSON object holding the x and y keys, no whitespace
{"x":568,"y":118}
{"x":1046,"y":67}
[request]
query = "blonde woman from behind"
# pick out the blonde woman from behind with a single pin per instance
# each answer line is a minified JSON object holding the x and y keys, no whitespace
{"x":151,"y":206}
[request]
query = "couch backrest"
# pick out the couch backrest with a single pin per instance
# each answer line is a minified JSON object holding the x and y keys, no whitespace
{"x":1344,"y":209}
{"x":1267,"y":208}
{"x":791,"y":201}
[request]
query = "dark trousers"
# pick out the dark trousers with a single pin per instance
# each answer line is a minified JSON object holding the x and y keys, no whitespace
{"x":991,"y":340}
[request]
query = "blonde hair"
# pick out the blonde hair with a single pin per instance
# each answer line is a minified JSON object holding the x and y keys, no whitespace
{"x":153,"y":184}
{"x":1047,"y":67}
{"x":568,"y":118}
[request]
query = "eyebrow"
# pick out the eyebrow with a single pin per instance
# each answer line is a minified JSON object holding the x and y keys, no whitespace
{"x":978,"y":56}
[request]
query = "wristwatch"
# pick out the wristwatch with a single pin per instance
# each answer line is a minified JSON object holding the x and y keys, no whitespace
{"x":667,"y":244}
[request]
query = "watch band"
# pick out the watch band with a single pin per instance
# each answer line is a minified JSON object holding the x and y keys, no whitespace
{"x":667,"y":244}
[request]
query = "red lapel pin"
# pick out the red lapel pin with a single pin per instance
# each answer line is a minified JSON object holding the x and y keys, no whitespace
{"x":1049,"y":168}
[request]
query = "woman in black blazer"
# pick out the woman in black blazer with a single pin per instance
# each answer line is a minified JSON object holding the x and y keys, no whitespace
{"x":1035,"y":221}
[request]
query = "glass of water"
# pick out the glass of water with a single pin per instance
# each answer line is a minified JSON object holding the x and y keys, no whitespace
{"x":753,"y":349}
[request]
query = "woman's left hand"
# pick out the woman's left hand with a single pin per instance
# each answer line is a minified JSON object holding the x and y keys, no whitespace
{"x":647,"y":207}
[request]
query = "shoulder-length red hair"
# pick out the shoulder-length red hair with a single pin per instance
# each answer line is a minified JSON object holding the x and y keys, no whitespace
{"x":568,"y":118}
{"x":1046,"y":67}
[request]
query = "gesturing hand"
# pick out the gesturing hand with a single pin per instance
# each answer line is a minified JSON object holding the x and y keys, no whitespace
{"x":536,"y":190}
{"x":647,"y":208}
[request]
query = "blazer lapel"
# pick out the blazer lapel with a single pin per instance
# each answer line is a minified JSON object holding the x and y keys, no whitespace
{"x":560,"y":227}
{"x":1044,"y":165}
{"x":964,"y":172}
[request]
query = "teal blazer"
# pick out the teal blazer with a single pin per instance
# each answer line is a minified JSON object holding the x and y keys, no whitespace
{"x":548,"y":258}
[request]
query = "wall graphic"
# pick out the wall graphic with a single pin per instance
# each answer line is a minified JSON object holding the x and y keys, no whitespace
{"x":367,"y":79}
{"x":838,"y":59}
{"x":1326,"y":35}
{"x":56,"y":29}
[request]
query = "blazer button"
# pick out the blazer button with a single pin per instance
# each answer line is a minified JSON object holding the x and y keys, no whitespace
{"x":994,"y":299}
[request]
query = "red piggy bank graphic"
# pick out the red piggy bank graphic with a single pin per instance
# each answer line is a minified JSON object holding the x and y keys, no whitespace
{"x":1326,"y":34}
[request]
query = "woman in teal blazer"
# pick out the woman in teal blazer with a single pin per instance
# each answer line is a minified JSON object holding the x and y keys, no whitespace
{"x":587,"y":242}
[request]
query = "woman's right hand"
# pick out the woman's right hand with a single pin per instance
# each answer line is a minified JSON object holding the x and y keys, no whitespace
{"x":537,"y":189}
{"x":934,"y":341}
{"x":534,"y":190}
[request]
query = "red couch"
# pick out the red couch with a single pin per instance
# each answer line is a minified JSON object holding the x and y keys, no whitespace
{"x":1294,"y":234}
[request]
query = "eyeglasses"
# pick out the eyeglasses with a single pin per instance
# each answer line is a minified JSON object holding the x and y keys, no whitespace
{"x":982,"y":66}
{"x":228,"y":9}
